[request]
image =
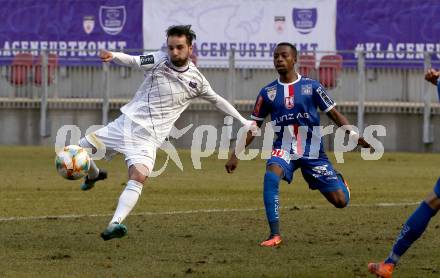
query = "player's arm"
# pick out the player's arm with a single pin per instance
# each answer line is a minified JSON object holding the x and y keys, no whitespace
{"x":222,"y":104}
{"x":340,"y":120}
{"x":141,"y":61}
{"x":433,"y":76}
{"x":260,"y":112}
{"x":328,"y":106}
{"x":232,"y":162}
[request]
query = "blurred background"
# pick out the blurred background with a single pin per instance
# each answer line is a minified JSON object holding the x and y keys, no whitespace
{"x":370,"y":55}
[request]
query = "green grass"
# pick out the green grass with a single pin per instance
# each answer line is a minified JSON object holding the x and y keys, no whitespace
{"x":319,"y":240}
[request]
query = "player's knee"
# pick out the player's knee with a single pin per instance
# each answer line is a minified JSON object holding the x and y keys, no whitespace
{"x":340,"y":199}
{"x":138,"y":172}
{"x":340,"y":203}
{"x":433,"y":201}
{"x":275,"y":169}
{"x":139,"y":177}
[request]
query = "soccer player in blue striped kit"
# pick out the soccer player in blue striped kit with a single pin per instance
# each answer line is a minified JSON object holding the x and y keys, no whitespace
{"x":293,"y":101}
{"x":417,"y":222}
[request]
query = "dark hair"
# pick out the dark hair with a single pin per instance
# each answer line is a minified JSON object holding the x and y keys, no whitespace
{"x":182,"y":30}
{"x":295,"y":52}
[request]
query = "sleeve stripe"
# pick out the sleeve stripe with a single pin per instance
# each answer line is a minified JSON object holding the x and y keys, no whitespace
{"x":330,"y":107}
{"x":256,"y":118}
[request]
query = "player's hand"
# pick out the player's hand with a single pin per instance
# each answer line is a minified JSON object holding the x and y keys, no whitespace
{"x":105,"y":55}
{"x":363,"y":143}
{"x":231,"y":164}
{"x":432,"y":76}
{"x":252,"y":127}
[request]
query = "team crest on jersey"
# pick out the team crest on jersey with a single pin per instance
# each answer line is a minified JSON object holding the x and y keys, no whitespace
{"x":289,"y":102}
{"x":306,"y":90}
{"x":271,"y":93}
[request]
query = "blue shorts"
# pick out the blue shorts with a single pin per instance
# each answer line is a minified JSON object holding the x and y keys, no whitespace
{"x":318,"y":173}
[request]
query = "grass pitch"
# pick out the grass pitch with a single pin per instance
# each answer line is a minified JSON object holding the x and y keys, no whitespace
{"x":206,"y":223}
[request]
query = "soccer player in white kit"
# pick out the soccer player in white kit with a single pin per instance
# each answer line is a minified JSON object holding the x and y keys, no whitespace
{"x":171,"y":82}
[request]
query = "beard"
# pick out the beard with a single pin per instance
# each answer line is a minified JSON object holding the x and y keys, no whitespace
{"x":179,"y":62}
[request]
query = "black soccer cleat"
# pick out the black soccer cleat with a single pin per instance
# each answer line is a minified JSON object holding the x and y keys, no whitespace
{"x":90,"y":183}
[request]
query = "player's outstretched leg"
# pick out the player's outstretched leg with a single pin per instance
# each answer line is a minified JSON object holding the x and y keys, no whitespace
{"x":271,"y":203}
{"x":411,"y":231}
{"x":94,"y":174}
{"x":339,"y":194}
{"x":114,"y":230}
{"x":127,"y":201}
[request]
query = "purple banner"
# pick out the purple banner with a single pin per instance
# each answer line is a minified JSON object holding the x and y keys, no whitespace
{"x":407,"y":28}
{"x":76,"y":29}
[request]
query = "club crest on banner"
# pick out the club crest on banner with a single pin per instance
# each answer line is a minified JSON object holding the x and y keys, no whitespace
{"x":304,"y":20}
{"x":88,"y":24}
{"x":112,"y":19}
{"x":289,"y":102}
{"x":279,"y":22}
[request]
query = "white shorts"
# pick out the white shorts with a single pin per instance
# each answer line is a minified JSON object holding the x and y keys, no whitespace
{"x":128,"y":138}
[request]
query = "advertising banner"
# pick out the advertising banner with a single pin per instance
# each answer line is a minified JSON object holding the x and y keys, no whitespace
{"x":76,"y":28}
{"x":251,"y":27}
{"x":394,"y":31}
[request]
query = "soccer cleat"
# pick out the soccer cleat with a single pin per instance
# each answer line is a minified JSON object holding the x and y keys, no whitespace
{"x":114,"y":230}
{"x":381,"y":269}
{"x":272,"y":241}
{"x":90,"y":183}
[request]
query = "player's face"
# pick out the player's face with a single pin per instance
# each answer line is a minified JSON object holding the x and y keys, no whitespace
{"x":178,"y":50}
{"x":284,"y":59}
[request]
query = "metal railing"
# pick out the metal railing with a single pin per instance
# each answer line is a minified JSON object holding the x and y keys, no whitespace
{"x":48,"y":79}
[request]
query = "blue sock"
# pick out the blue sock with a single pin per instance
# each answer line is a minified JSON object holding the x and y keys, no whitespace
{"x":271,"y":201}
{"x":411,"y":231}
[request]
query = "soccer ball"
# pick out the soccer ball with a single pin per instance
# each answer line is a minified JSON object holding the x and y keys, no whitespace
{"x":72,"y":162}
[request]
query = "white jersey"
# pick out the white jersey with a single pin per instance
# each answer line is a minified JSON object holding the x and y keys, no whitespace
{"x":165,"y":93}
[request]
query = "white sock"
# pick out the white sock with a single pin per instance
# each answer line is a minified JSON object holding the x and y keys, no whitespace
{"x":93,"y":170}
{"x":127,"y":200}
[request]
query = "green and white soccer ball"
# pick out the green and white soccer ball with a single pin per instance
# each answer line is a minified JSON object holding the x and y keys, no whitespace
{"x":72,"y":162}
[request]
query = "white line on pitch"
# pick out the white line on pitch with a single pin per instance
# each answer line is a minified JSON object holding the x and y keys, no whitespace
{"x":177,"y":212}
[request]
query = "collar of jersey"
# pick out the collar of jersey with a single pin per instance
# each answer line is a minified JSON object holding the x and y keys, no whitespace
{"x":178,"y":69}
{"x":297,"y":80}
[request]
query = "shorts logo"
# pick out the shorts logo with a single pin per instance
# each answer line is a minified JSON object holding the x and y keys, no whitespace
{"x":146,"y":60}
{"x":272,"y":93}
{"x":88,"y":24}
{"x":304,"y":20}
{"x":112,"y":19}
{"x":306,"y":90}
{"x":289,"y":102}
{"x":281,"y":154}
{"x":322,"y":171}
